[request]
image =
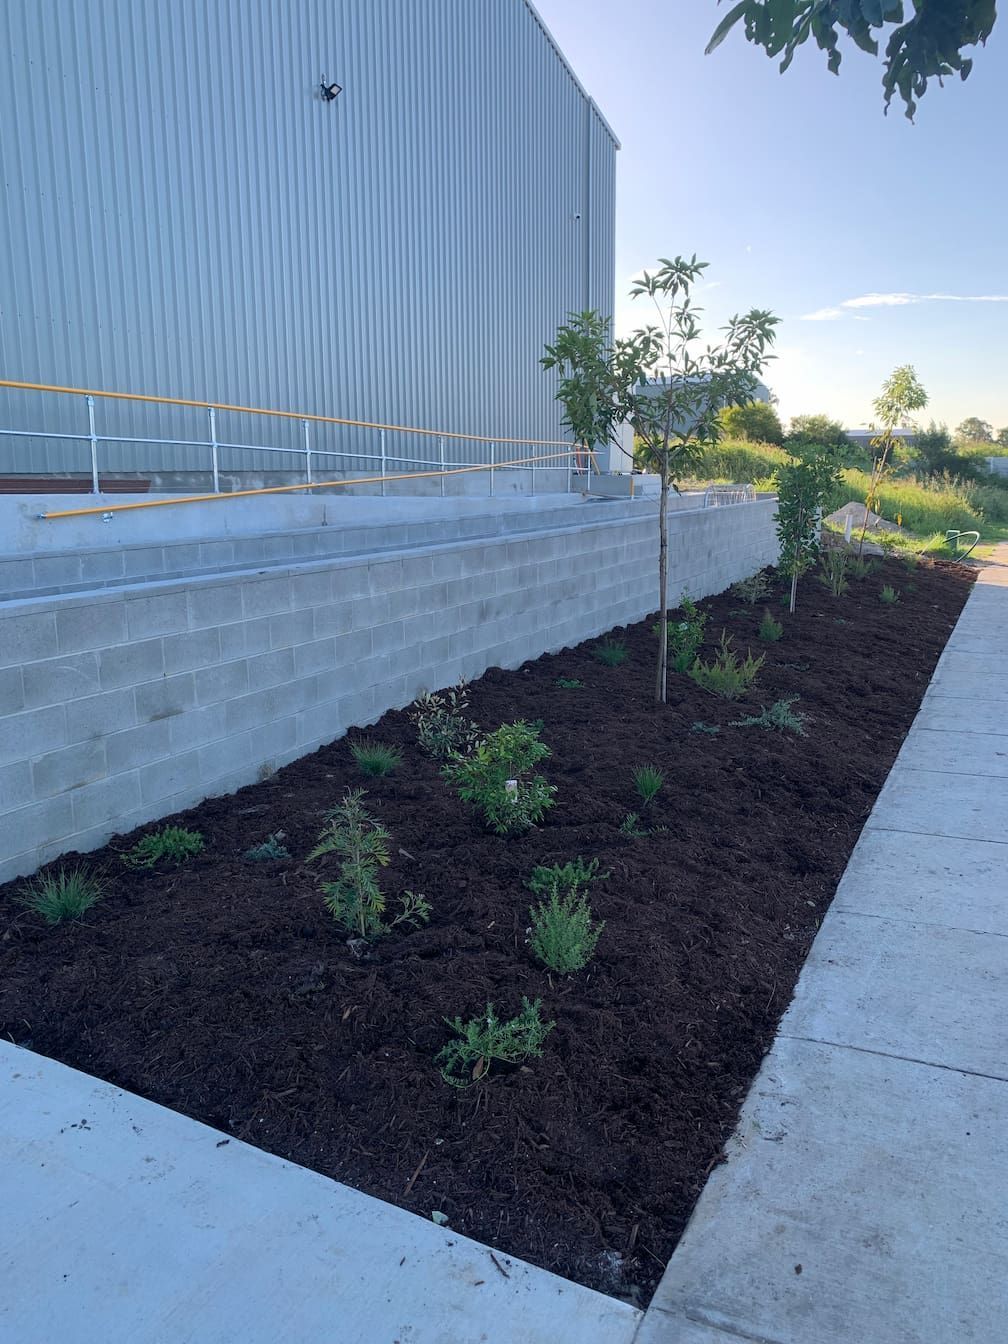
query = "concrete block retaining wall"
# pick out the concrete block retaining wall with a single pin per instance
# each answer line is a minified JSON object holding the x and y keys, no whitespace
{"x":123,"y":705}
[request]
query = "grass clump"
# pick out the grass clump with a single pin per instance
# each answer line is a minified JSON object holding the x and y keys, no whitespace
{"x":495,"y":776}
{"x":647,"y":779}
{"x":727,"y":675}
{"x":611,"y":652}
{"x":770,"y":630}
{"x":63,"y":895}
{"x":569,"y":684}
{"x":442,"y":723}
{"x":834,"y":572}
{"x":631,"y":825}
{"x":484,"y":1039}
{"x":271,"y":848}
{"x":889,"y":595}
{"x":375,"y":758}
{"x":684,"y":636}
{"x":564,"y":935}
{"x":355,"y":900}
{"x":862,"y":567}
{"x":173,"y":843}
{"x":779,"y":717}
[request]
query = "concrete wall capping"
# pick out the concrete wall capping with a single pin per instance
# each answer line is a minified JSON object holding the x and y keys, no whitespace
{"x":122,"y":705}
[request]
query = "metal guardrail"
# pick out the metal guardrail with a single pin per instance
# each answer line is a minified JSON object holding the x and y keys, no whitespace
{"x":307,"y":454}
{"x":715,"y":495}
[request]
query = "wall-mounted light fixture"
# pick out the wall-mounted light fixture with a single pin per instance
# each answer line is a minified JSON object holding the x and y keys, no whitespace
{"x":330,"y":92}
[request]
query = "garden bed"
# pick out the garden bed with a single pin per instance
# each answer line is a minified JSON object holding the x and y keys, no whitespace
{"x":222,"y":988}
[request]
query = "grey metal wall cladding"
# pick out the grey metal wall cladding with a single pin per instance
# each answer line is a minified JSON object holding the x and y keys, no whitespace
{"x":183,"y":214}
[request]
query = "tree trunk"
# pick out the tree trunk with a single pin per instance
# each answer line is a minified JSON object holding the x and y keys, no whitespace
{"x":661,"y":674}
{"x":797,"y":558}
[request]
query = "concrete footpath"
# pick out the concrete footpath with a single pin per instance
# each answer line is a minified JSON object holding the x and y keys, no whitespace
{"x":866,"y":1196}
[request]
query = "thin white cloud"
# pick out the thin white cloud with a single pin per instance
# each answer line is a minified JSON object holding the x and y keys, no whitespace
{"x":895,"y":299}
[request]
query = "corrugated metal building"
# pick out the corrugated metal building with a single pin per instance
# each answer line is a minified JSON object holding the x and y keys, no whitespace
{"x":184,"y":214}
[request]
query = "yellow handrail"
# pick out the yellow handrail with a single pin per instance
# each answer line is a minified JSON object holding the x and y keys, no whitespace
{"x":262,"y":410}
{"x":314,"y":485}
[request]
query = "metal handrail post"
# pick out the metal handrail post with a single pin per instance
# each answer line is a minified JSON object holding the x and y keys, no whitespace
{"x":94,"y":445}
{"x":381,"y":439}
{"x":307,"y":452}
{"x":570,"y":472}
{"x":588,"y":457}
{"x":493,"y":458}
{"x":213,"y":449}
{"x":533,"y":476}
{"x":440,"y":444}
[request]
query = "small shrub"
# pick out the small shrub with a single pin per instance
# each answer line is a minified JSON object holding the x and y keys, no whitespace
{"x":780,"y":716}
{"x":611,"y":652}
{"x":770,"y":631}
{"x":727,"y":676}
{"x":862,"y":567}
{"x":63,"y":895}
{"x":271,"y":848}
{"x":647,"y":779}
{"x":443,"y":727}
{"x":563,"y":934}
{"x":834,"y":571}
{"x":173,"y":843}
{"x":700,"y":727}
{"x":482,"y":1040}
{"x":685,"y":636}
{"x":355,"y":900}
{"x":752,"y":590}
{"x":630,"y":825}
{"x":569,"y":684}
{"x":495,"y":777}
{"x":375,"y":758}
{"x":889,"y":595}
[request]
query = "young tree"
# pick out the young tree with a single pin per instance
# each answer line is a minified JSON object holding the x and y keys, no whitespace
{"x":928,"y":45}
{"x":818,"y":429}
{"x":1002,"y":437}
{"x":676,"y":412}
{"x":901,"y":395}
{"x":975,"y":430}
{"x":758,"y":422}
{"x":802,"y":489}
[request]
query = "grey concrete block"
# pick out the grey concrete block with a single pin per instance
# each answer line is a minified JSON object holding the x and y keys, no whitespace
{"x":227,"y":763}
{"x":265,"y":597}
{"x":318,"y":656}
{"x":160,"y":614}
{"x":385,"y":576}
{"x":193,"y":649}
{"x":23,"y":831}
{"x":164,"y":779}
{"x":165,"y":698}
{"x":57,"y":571}
{"x":15,"y":786}
{"x":221,"y":682}
{"x":141,"y":562}
{"x":270,"y":669}
{"x":95,"y":626}
{"x":101,"y":566}
{"x":23,"y":736}
{"x":26,"y":638}
{"x":261,"y":707}
{"x":16,"y":576}
{"x":313,"y":589}
{"x":366,"y":612}
{"x":131,"y":664}
{"x":350,"y":581}
{"x":280,"y":547}
{"x":56,"y":680}
{"x":69,"y":768}
{"x":336,"y":618}
{"x":275,"y":739}
{"x":417,"y":570}
{"x":110,"y":803}
{"x":217,"y":605}
{"x":249,"y":550}
{"x":291,"y":628}
{"x":12,"y":697}
{"x":216,"y":553}
{"x":197,"y":727}
{"x":386,"y":638}
{"x":97,"y":715}
{"x":138,"y":746}
{"x":352,"y":648}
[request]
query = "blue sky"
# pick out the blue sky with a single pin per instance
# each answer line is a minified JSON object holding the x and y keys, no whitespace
{"x":805,"y":199}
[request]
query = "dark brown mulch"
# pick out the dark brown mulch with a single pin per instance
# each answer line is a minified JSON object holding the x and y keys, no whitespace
{"x":223,"y":990}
